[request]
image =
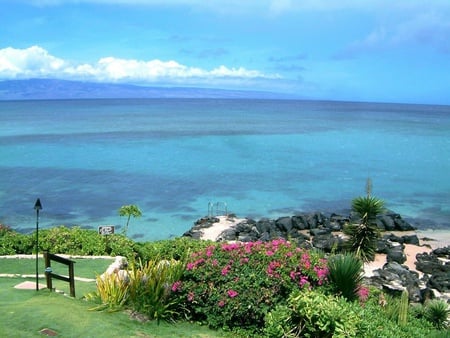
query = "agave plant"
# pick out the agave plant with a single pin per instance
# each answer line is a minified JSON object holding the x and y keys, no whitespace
{"x":345,"y":272}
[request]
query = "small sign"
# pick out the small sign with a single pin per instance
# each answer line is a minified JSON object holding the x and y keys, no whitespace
{"x":106,"y":229}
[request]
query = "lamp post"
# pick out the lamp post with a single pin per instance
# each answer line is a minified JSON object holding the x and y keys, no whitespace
{"x":37,"y":207}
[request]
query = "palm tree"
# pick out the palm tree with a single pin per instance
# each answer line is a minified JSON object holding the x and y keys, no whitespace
{"x":129,"y":210}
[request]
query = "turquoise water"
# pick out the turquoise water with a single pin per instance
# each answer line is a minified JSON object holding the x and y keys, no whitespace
{"x":86,"y":158}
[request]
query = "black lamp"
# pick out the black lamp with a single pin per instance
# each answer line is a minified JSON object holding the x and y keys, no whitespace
{"x":37,"y":207}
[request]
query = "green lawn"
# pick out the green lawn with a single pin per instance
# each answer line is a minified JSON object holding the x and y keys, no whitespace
{"x":25,"y":312}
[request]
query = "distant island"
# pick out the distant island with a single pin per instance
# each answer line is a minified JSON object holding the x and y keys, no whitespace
{"x":53,"y":89}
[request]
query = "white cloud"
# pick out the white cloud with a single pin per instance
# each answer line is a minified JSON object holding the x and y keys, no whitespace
{"x":36,"y":62}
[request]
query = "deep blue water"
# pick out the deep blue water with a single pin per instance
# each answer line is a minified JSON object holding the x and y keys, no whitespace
{"x":86,"y":158}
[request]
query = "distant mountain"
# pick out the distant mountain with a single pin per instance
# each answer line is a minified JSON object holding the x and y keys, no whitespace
{"x":40,"y":89}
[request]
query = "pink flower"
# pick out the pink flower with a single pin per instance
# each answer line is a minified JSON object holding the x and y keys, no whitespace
{"x":190,"y":266}
{"x":190,"y":296}
{"x":232,"y":293}
{"x":225,"y":270}
{"x":321,"y":273}
{"x":269,"y":253}
{"x":176,"y":286}
{"x":303,"y":281}
{"x":221,"y":303}
{"x":363,"y":293}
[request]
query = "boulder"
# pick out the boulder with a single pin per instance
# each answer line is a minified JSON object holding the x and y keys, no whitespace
{"x":284,"y":224}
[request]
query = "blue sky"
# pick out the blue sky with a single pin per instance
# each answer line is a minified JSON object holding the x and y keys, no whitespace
{"x":389,"y":51}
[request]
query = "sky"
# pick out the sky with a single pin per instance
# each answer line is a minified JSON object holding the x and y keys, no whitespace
{"x":352,"y":50}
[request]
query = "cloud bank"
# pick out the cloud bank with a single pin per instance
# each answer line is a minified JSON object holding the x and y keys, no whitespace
{"x":36,"y":62}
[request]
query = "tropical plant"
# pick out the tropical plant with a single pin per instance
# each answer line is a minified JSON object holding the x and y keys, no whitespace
{"x":233,"y":285}
{"x":437,"y":312}
{"x":151,"y":285}
{"x":312,"y":313}
{"x":345,"y":273}
{"x":363,"y":236}
{"x":111,"y":291}
{"x":128,"y":211}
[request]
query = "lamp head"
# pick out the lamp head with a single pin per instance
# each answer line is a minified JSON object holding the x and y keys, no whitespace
{"x":38,"y":205}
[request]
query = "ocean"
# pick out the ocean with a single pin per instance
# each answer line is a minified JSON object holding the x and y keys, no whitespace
{"x":177,"y":158}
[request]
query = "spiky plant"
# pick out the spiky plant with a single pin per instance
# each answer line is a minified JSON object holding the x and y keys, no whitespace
{"x":437,"y":312}
{"x":345,"y":272}
{"x":364,"y":235}
{"x":151,"y":285}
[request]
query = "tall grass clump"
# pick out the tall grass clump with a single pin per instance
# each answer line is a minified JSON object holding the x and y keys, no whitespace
{"x":112,"y":292}
{"x":345,"y":272}
{"x":151,"y":285}
{"x":437,"y":312}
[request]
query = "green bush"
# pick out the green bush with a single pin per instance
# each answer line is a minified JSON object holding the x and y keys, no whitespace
{"x":13,"y":243}
{"x":175,"y":248}
{"x":234,"y":285}
{"x":312,"y":313}
{"x":77,"y":241}
{"x":346,"y":275}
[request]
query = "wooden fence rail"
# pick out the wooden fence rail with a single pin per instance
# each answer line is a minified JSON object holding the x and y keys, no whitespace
{"x":48,"y":257}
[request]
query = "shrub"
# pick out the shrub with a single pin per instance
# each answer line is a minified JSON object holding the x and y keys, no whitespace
{"x":111,"y":291}
{"x":437,"y":312}
{"x":12,"y":242}
{"x":77,"y":241}
{"x":311,"y":313}
{"x":234,"y":285}
{"x":151,"y":286}
{"x":346,"y":275}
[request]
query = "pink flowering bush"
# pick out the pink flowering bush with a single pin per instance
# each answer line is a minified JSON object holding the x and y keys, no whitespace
{"x":234,"y":285}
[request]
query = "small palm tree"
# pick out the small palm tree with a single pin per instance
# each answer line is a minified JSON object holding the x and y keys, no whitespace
{"x":364,"y":235}
{"x":129,"y":210}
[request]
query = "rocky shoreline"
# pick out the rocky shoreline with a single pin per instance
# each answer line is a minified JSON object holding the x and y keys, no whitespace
{"x":426,"y":276}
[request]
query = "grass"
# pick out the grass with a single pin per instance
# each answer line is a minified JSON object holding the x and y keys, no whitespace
{"x":25,"y":312}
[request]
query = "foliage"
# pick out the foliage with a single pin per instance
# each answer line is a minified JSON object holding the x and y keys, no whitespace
{"x":112,"y":291}
{"x":312,"y":313}
{"x":367,"y":208}
{"x":175,"y":248}
{"x":362,"y":240}
{"x":151,"y":285}
{"x":437,"y":312}
{"x":364,"y":235}
{"x":233,"y":285}
{"x":129,"y":210}
{"x":346,"y":275}
{"x":12,"y":242}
